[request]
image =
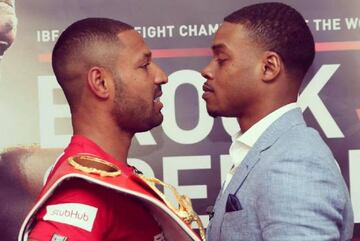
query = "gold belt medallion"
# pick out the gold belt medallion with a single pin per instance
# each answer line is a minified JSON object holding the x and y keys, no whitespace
{"x":94,"y":165}
{"x":184,"y":210}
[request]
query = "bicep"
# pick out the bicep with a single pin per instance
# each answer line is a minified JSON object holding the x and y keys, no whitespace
{"x":75,"y":211}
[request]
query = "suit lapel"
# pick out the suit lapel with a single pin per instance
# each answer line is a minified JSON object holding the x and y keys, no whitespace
{"x":242,"y":171}
{"x":265,"y":141}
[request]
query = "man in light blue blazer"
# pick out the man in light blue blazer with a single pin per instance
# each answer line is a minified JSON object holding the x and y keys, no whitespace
{"x":285,"y":184}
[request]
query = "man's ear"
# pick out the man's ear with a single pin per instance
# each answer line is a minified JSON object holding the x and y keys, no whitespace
{"x":271,"y":66}
{"x":98,"y":81}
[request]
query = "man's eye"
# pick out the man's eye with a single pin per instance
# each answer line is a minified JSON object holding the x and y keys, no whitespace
{"x":145,"y":66}
{"x":220,"y":61}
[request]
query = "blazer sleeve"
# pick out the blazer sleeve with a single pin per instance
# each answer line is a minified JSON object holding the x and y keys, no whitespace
{"x":301,"y":199}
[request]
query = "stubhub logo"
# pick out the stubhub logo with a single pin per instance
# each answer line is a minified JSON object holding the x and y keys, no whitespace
{"x":75,"y":214}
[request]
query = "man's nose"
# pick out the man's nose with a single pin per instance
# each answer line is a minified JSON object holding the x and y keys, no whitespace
{"x":206,"y":72}
{"x":160,"y":76}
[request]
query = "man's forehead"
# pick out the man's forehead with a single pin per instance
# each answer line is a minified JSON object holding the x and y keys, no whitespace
{"x":133,"y":47}
{"x":229,"y":34}
{"x":131,"y":38}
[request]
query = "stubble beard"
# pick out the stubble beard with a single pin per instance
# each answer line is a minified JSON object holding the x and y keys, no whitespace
{"x":130,"y":112}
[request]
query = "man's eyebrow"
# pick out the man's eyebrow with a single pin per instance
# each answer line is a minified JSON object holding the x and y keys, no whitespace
{"x":218,"y":47}
{"x":145,"y":57}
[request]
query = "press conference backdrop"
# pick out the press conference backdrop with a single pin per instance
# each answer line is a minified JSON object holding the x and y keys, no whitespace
{"x":190,"y":149}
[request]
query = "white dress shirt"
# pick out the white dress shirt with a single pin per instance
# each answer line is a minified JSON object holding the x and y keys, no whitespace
{"x":243,"y":142}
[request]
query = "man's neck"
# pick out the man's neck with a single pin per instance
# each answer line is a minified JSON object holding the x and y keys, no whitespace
{"x":254,"y":115}
{"x":107,"y":135}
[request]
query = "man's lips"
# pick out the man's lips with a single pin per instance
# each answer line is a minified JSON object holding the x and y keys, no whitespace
{"x":207,"y":88}
{"x":157,"y":103}
{"x":157,"y":95}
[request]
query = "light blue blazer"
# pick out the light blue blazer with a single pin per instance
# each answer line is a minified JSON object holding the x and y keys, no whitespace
{"x":289,"y":188}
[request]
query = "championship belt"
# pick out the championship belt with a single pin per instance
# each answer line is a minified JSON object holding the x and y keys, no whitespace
{"x":174,"y":221}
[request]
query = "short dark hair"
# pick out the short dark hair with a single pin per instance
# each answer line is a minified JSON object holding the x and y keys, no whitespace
{"x":280,"y":28}
{"x":85,"y":43}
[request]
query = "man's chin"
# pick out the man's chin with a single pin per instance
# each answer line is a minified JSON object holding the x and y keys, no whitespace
{"x":212,"y":112}
{"x":156,"y":121}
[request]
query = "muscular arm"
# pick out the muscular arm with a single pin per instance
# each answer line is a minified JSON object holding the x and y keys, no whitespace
{"x":77,"y":210}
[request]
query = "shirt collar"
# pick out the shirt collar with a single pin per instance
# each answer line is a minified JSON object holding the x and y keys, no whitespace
{"x":252,"y":135}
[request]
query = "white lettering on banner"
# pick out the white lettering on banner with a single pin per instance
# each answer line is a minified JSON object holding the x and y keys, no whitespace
{"x":142,"y":166}
{"x":156,"y":31}
{"x":352,"y":23}
{"x":75,"y":214}
{"x":354,"y":167}
{"x":198,"y":30}
{"x":170,"y":127}
{"x":309,"y":98}
{"x":47,"y":35}
{"x":171,"y":165}
{"x":327,"y":24}
{"x":49,"y":112}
